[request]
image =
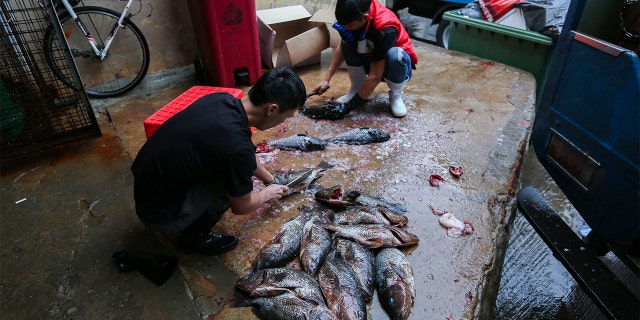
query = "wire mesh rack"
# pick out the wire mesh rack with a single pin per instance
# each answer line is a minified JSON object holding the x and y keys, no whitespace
{"x":37,"y":110}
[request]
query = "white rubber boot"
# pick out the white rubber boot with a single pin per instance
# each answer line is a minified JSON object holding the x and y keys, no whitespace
{"x":356,"y":75}
{"x":395,"y":98}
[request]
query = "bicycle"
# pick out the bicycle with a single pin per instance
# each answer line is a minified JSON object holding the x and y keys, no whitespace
{"x":109,"y":50}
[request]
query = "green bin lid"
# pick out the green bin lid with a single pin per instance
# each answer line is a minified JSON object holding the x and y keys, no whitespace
{"x":532,"y":36}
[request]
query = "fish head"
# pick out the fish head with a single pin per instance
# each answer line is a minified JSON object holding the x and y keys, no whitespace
{"x":250,"y":282}
{"x":378,"y":135}
{"x":398,"y":301}
{"x":332,"y":196}
{"x":263,"y":147}
{"x":332,"y":193}
{"x":405,"y":237}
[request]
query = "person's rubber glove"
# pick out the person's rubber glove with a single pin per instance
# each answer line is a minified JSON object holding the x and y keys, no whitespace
{"x":276,"y":180}
{"x":336,"y":111}
{"x":355,"y":102}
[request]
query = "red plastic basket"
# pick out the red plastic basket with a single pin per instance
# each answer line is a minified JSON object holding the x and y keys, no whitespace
{"x":182,"y":101}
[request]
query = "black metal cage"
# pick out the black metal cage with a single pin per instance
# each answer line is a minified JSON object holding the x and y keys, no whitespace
{"x":37,"y":109}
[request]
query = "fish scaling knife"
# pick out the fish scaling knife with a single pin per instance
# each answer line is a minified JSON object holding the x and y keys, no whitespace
{"x":299,"y":178}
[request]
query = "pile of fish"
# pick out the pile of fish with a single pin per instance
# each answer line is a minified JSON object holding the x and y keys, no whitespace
{"x":327,"y":262}
{"x":305,"y":142}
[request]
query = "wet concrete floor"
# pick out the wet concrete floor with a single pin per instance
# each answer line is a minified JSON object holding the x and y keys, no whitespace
{"x":64,"y":213}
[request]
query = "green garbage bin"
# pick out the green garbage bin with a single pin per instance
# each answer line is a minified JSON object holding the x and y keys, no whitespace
{"x":527,"y":50}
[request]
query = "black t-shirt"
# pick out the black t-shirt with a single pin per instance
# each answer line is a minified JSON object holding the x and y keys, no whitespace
{"x":382,"y":40}
{"x":379,"y":40}
{"x":207,"y":142}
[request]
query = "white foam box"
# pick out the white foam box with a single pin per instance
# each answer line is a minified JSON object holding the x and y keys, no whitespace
{"x":513,"y":18}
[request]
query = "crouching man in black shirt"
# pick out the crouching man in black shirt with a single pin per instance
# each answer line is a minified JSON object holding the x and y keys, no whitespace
{"x":200,"y":162}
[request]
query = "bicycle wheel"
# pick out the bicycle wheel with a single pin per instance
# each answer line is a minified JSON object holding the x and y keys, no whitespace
{"x":125,"y":64}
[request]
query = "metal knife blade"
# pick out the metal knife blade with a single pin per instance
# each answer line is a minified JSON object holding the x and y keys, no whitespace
{"x":314,"y":92}
{"x":299,"y":179}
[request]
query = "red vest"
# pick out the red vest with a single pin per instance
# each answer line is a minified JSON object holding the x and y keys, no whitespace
{"x":384,"y":18}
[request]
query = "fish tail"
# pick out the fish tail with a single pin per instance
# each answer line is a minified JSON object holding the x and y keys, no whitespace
{"x":325,"y":165}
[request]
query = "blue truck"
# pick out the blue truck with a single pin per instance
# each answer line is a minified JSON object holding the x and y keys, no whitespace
{"x":586,"y":134}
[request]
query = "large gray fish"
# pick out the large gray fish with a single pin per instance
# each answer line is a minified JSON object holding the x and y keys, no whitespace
{"x":395,"y":282}
{"x":340,"y":289}
{"x":286,"y":306}
{"x":301,"y":142}
{"x":315,"y":244}
{"x":285,"y":245}
{"x":369,"y":215}
{"x":362,"y":135}
{"x":374,"y":235}
{"x":338,"y":197}
{"x":361,"y":261}
{"x":275,"y":281}
{"x":313,"y":174}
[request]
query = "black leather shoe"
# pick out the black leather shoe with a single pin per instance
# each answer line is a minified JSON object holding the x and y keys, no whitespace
{"x":208,"y":243}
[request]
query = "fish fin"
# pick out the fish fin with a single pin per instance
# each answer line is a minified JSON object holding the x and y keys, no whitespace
{"x":394,"y":218}
{"x":374,"y":244}
{"x":349,"y":254}
{"x":307,"y":237}
{"x":240,"y":299}
{"x":306,"y":215}
{"x":370,"y":243}
{"x":328,"y":226}
{"x":403,"y":275}
{"x":405,"y":237}
{"x":325,"y":165}
{"x":277,"y":238}
{"x":327,"y":217}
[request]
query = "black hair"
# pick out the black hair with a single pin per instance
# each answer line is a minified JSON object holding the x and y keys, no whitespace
{"x":279,"y":85}
{"x":348,"y":11}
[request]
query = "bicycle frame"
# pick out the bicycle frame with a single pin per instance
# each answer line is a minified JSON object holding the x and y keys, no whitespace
{"x":102,"y":53}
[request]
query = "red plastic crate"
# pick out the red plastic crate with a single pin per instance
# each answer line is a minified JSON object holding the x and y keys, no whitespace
{"x":182,"y":101}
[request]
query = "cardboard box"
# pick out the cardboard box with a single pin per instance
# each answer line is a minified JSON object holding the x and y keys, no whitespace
{"x":292,"y":37}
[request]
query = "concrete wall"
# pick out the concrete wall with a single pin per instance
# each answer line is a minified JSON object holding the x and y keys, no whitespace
{"x":169,"y":31}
